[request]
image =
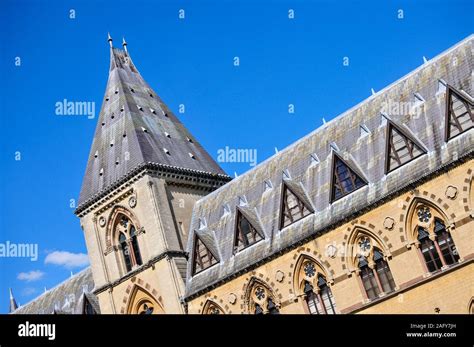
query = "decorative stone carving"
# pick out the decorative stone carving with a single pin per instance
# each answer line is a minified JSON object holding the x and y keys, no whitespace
{"x":279,"y":276}
{"x":132,"y":202}
{"x":424,"y":214}
{"x":102,"y":221}
{"x":260,"y":293}
{"x":232,"y":298}
{"x":331,"y":251}
{"x":309,"y":269}
{"x":451,"y":192}
{"x":364,"y":244}
{"x":389,"y":223}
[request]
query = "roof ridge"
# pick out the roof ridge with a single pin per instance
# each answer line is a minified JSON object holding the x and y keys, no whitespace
{"x":347,"y":112}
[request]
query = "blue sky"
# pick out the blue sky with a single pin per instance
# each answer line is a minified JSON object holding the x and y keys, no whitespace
{"x":282,"y":61}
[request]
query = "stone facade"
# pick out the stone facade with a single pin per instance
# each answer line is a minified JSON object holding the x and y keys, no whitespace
{"x":417,"y":291}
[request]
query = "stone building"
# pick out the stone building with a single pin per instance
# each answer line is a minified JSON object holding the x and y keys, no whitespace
{"x":145,"y":173}
{"x":371,"y":213}
{"x":73,"y":296}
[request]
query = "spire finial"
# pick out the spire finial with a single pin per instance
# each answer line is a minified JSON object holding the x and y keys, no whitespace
{"x":13,"y":304}
{"x":124,"y":44}
{"x":109,"y":38}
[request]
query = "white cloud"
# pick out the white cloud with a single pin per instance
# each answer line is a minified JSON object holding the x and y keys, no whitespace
{"x":31,"y":276}
{"x":67,"y":259}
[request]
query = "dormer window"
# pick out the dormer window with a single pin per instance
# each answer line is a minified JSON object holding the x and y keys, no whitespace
{"x":345,"y":180}
{"x":459,"y":113}
{"x":203,"y":258}
{"x":245,"y":234}
{"x":401,"y":148}
{"x":166,"y":151}
{"x":192,"y":156}
{"x":152,"y":111}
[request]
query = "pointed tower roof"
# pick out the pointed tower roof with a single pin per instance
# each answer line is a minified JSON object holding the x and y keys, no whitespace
{"x":136,"y":129}
{"x":13,"y":304}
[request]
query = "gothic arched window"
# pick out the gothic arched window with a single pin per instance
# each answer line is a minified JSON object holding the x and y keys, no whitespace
{"x":261,"y":300}
{"x":374,"y":271}
{"x":317,"y":293}
{"x":143,"y":302}
{"x":437,"y":246}
{"x":146,"y":308}
{"x":128,"y":243}
{"x":212,"y":308}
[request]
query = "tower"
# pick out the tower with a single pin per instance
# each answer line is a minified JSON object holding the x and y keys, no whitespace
{"x":13,"y":304}
{"x":144,"y":173}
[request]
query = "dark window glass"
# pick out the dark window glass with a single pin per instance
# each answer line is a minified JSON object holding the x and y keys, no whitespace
{"x":293,"y":209}
{"x":431,"y":256}
{"x":246,"y":235}
{"x":125,"y":251}
{"x":446,"y":244}
{"x":460,"y":115}
{"x":345,"y":180}
{"x":203,"y":258}
{"x":369,"y":282}
{"x":136,"y":249}
{"x":326,"y":295}
{"x":401,"y":149}
{"x":146,"y":309}
{"x":272,"y":309}
{"x":385,"y":276}
{"x":312,"y":300}
{"x":88,"y":309}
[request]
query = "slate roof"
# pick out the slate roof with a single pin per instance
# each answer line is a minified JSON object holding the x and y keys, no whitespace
{"x":366,"y":154}
{"x":66,"y":298}
{"x":135,"y":127}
